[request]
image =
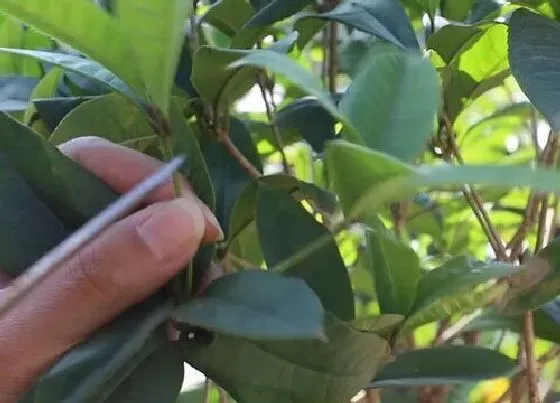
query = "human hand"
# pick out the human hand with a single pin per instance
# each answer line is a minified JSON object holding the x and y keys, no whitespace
{"x":128,"y":262}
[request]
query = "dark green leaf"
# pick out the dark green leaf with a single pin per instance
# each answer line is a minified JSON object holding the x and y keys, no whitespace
{"x":284,"y":228}
{"x":46,"y":88}
{"x":229,"y":178}
{"x":87,"y":28}
{"x":276,"y":10}
{"x":72,"y":193}
{"x":79,"y":374}
{"x":446,"y":365}
{"x":157,"y":379}
{"x":313,"y":122}
{"x":291,"y":371}
{"x":535,"y":58}
{"x":383,"y":18}
{"x":84,"y":67}
{"x":456,"y":10}
{"x":257,"y":305}
{"x":156,"y":30}
{"x":395,"y":267}
{"x":53,"y":110}
{"x":459,"y":286}
{"x":382,"y":102}
{"x":184,"y":71}
{"x":429,"y":6}
{"x":29,"y":229}
{"x":112,"y":117}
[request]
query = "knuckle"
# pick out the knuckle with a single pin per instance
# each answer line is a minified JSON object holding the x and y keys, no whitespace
{"x":91,"y":274}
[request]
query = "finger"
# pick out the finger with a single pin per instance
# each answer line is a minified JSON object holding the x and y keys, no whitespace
{"x":127,"y":263}
{"x":122,"y":168}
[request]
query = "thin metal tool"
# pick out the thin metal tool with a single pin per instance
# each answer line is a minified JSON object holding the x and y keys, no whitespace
{"x":53,"y":260}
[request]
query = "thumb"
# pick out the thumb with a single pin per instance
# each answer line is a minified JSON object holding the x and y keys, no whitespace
{"x":125,"y":264}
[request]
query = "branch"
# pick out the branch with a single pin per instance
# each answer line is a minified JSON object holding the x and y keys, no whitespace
{"x":473,"y":198}
{"x":530,"y":362}
{"x":271,"y":115}
{"x":224,"y":139}
{"x":333,"y":65}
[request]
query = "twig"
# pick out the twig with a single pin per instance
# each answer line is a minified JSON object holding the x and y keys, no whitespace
{"x":270,"y":106}
{"x":529,"y":345}
{"x":333,"y":65}
{"x":443,"y":326}
{"x":473,"y":199}
{"x":224,"y":139}
{"x":206,"y":391}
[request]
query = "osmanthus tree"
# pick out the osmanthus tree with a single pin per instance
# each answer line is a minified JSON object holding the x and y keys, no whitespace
{"x":389,"y":203}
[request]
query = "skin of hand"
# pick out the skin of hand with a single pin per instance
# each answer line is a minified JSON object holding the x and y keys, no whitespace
{"x":124,"y":265}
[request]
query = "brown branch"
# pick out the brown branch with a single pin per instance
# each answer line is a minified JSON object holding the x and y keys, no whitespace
{"x":224,"y":139}
{"x":270,"y":106}
{"x":529,"y":345}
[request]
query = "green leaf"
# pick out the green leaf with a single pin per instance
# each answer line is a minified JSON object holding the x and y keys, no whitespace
{"x":311,"y":120}
{"x":459,"y":286}
{"x":23,"y":214}
{"x":446,"y":365}
{"x":395,"y":267}
{"x":386,"y":19}
{"x":112,"y":117}
{"x":73,"y":194}
{"x":84,"y":67}
{"x":538,"y":281}
{"x":535,"y":57}
{"x":291,"y":371}
{"x":52,"y":110}
{"x":367,"y":180}
{"x":457,"y":10}
{"x":284,"y":226}
{"x":15,"y":92}
{"x":382,"y":325}
{"x":79,"y":374}
{"x":87,"y":28}
{"x":45,"y":89}
{"x":158,"y":378}
{"x":276,"y":10}
{"x":257,"y":305}
{"x":382,"y":102}
{"x":219,"y":81}
{"x":481,"y":63}
{"x":229,"y":16}
{"x":284,"y":65}
{"x":229,"y":178}
{"x":243,"y":213}
{"x":156,"y":31}
{"x":429,"y":6}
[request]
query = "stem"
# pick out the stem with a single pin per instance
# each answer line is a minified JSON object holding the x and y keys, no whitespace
{"x":271,"y":115}
{"x":194,"y":40}
{"x":206,"y":391}
{"x":530,"y":359}
{"x":224,"y":139}
{"x":333,"y":41}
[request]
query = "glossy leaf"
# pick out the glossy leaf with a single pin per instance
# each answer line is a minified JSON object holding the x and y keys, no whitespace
{"x":445,"y":365}
{"x":382,"y":102}
{"x":534,"y":57}
{"x":156,"y":31}
{"x":229,"y":16}
{"x":72,"y":193}
{"x":291,"y":371}
{"x":15,"y":92}
{"x":22,"y":214}
{"x":112,"y":117}
{"x":284,"y":227}
{"x":384,"y":18}
{"x":459,"y":286}
{"x":395,"y":267}
{"x":84,"y":26}
{"x":87,"y":68}
{"x":258,"y":305}
{"x":382,"y":325}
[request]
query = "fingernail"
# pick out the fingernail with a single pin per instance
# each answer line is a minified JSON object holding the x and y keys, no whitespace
{"x":174,"y":225}
{"x":212,"y":221}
